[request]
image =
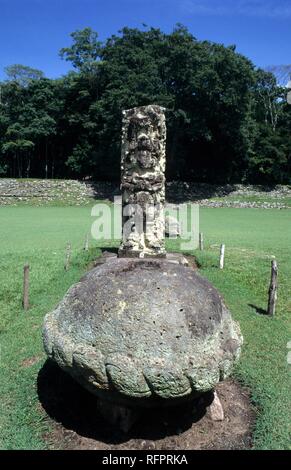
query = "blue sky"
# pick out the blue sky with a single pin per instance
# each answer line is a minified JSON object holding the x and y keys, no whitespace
{"x":33,"y":31}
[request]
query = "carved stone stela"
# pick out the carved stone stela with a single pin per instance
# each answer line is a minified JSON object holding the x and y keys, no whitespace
{"x":143,"y":160}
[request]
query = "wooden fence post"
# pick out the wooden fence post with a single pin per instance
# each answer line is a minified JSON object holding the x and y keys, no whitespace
{"x":201,"y":242}
{"x":25,"y":300}
{"x":68,"y":257}
{"x":221,"y":258}
{"x":273,"y":289}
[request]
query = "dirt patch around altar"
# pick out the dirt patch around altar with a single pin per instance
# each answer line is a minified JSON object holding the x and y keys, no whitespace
{"x":76,"y":424}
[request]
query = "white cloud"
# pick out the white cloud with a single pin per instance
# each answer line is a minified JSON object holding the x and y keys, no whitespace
{"x":280,"y":9}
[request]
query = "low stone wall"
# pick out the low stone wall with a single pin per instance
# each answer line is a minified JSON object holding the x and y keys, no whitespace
{"x":42,"y":192}
{"x":48,"y":191}
{"x":230,"y":195}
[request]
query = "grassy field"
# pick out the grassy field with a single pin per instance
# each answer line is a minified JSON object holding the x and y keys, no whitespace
{"x":38,"y":235}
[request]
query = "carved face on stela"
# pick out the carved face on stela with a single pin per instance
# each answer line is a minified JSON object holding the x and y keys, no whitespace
{"x":143,"y":142}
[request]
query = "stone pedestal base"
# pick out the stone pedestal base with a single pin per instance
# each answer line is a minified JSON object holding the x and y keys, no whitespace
{"x":123,"y":253}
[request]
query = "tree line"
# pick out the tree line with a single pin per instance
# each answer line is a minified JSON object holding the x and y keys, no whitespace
{"x":227,"y":121}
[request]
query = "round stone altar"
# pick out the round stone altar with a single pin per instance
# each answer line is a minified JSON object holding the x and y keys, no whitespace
{"x":143,"y":332}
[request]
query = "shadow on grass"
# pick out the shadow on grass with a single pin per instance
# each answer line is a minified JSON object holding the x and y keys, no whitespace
{"x":259,"y":310}
{"x":70,"y":405}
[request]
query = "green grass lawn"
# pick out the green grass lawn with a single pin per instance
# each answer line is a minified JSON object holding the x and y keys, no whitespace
{"x":38,"y":235}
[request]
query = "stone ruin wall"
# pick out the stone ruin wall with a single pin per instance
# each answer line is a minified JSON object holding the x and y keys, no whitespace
{"x":42,"y":192}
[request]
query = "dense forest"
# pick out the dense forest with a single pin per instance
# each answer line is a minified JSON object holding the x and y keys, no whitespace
{"x":227,"y":120}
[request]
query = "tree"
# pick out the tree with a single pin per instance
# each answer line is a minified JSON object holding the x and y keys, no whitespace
{"x":19,"y":148}
{"x":85,"y":51}
{"x":28,"y":115}
{"x":205,"y":87}
{"x":269,"y":98}
{"x":226,"y":121}
{"x":22,"y":74}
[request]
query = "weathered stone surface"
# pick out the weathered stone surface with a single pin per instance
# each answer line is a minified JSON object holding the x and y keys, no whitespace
{"x":216,"y":410}
{"x":172,"y":227}
{"x":177,"y":258}
{"x":143,"y":181}
{"x":143,"y":331}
